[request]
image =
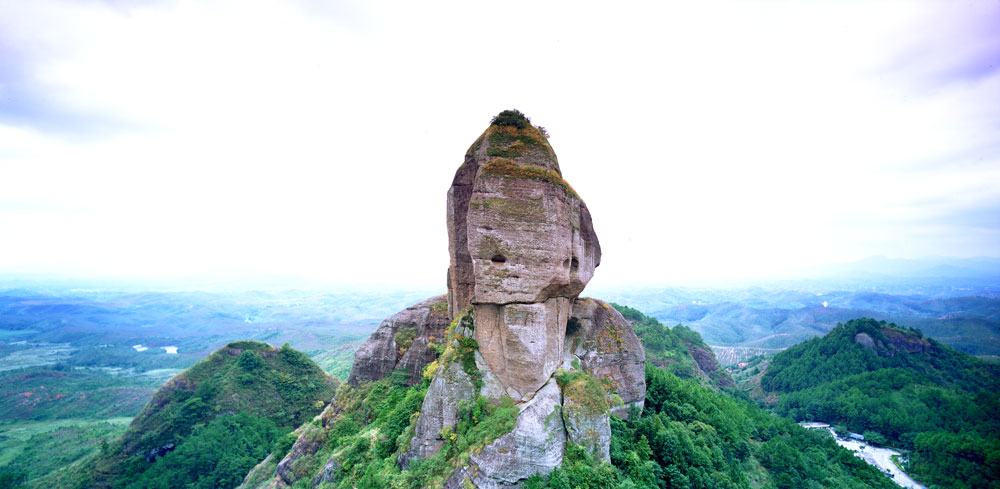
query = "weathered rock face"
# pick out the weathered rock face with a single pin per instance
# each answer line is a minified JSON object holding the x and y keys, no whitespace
{"x":607,"y":348}
{"x":522,"y":343}
{"x":522,"y":247}
{"x":587,"y":428}
{"x":517,"y":232}
{"x":401,"y":342}
{"x":451,"y":387}
{"x":536,"y":445}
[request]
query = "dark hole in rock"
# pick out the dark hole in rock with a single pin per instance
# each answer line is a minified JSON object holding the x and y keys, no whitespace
{"x":574,"y":265}
{"x":498,"y":259}
{"x":572,"y":326}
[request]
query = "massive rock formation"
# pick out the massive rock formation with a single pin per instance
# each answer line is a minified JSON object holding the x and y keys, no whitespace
{"x":522,"y":249}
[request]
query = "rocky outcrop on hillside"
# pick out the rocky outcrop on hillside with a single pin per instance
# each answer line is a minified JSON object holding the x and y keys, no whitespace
{"x":522,"y":249}
{"x":402,"y":343}
{"x":512,"y":331}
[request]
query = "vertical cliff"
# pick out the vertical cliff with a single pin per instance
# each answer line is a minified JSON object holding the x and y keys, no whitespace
{"x":512,"y":366}
{"x":522,"y":248}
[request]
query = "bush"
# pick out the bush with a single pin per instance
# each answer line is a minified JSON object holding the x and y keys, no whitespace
{"x":511,"y":117}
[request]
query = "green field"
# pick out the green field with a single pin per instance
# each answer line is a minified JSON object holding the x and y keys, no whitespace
{"x":40,"y":447}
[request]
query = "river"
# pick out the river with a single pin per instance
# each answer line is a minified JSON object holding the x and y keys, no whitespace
{"x":880,"y":457}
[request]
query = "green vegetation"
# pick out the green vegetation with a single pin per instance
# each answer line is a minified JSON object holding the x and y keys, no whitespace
{"x":511,"y":142}
{"x":674,"y":348}
{"x":375,"y":425}
{"x":693,"y":437}
{"x":511,"y":117}
{"x":504,"y":167}
{"x":895,"y":385}
{"x":61,"y":392}
{"x":587,"y":391}
{"x":404,"y":339}
{"x":224,"y":414}
{"x":217,"y":454}
{"x":36,"y":448}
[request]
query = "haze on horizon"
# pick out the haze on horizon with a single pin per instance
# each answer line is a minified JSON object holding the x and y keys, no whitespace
{"x":711,"y":140}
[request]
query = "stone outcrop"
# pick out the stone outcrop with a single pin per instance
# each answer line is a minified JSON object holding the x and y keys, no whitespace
{"x":522,"y":247}
{"x":450,"y":387}
{"x":607,"y":348}
{"x":512,"y":330}
{"x":401,"y":343}
{"x":536,"y":445}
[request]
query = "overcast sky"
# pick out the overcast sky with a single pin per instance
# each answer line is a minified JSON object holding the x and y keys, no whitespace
{"x":711,"y":140}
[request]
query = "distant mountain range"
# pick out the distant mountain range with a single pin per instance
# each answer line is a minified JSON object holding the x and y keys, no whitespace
{"x":956,"y":301}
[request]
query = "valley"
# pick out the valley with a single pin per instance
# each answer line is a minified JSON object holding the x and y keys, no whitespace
{"x":72,"y":375}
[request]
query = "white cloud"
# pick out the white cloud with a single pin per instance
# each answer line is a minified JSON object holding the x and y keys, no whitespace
{"x":710,"y":140}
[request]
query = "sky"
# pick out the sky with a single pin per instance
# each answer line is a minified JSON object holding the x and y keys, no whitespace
{"x":711,"y":140}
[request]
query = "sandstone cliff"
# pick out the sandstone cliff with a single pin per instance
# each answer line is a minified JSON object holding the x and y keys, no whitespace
{"x":511,"y":340}
{"x":522,"y":249}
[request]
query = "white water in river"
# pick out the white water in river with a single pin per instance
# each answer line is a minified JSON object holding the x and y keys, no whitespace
{"x":880,"y":457}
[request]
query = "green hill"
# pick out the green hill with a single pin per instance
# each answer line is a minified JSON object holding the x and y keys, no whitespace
{"x":211,"y":423}
{"x":691,"y":435}
{"x":680,"y":350}
{"x":897,"y":386}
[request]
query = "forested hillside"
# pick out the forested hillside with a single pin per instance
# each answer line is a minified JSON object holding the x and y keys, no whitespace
{"x":896,"y":386}
{"x":691,"y":435}
{"x":679,"y":349}
{"x":210,"y":424}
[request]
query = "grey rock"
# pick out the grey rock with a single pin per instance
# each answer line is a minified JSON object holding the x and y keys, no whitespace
{"x":382,"y":353}
{"x":536,"y":444}
{"x":608,"y":348}
{"x":451,"y":385}
{"x":588,"y":429}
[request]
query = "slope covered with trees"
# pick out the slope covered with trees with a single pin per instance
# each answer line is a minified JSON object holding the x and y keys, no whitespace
{"x":679,"y":350}
{"x":210,"y":424}
{"x":896,"y":386}
{"x":691,"y":435}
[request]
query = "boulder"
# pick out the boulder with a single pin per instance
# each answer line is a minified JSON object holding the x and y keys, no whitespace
{"x":522,"y":343}
{"x":588,"y":428}
{"x":402,"y":342}
{"x":536,"y":445}
{"x":607,"y":348}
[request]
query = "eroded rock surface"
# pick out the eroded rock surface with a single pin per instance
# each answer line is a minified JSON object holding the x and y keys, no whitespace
{"x":536,"y":444}
{"x":401,"y":342}
{"x":522,"y":343}
{"x":590,"y":429}
{"x":522,"y":248}
{"x":607,"y":348}
{"x":517,"y":232}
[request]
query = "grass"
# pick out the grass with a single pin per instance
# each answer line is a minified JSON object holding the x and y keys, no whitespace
{"x":40,"y":447}
{"x":589,"y":392}
{"x":506,"y":168}
{"x":50,"y":394}
{"x":510,"y":142}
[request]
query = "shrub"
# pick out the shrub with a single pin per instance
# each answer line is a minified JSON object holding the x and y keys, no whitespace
{"x":511,"y":117}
